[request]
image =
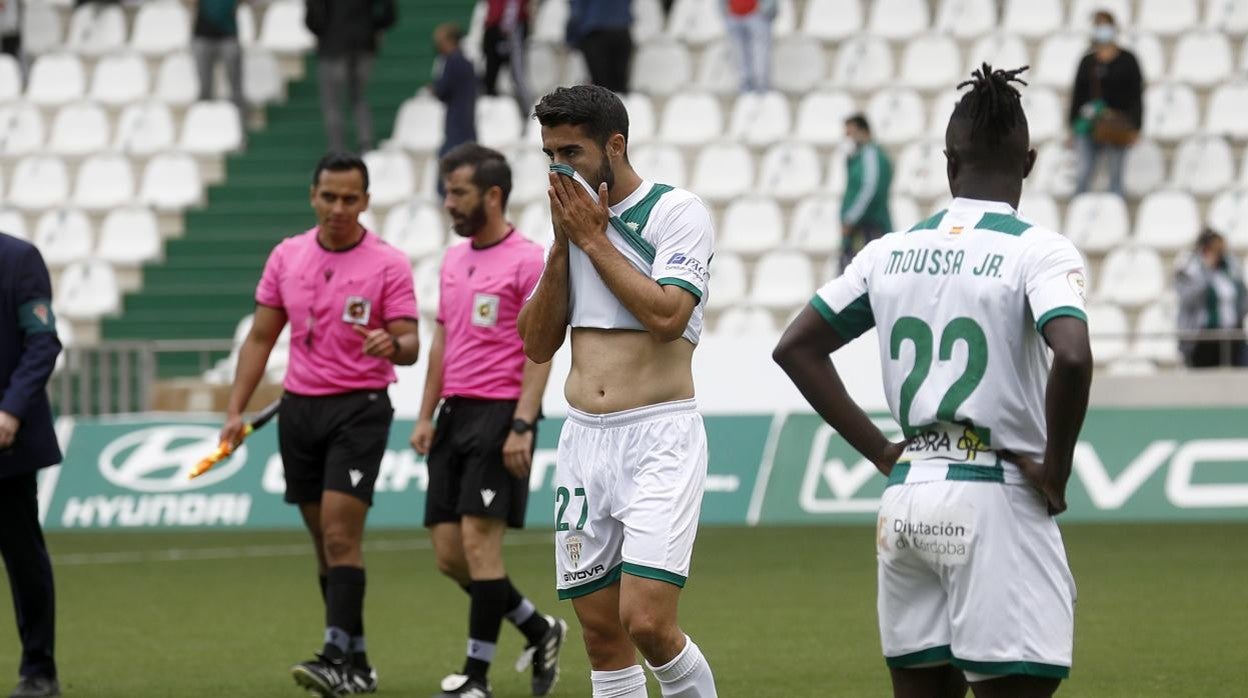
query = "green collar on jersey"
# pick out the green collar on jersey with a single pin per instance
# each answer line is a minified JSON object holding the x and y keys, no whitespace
{"x":996,"y":222}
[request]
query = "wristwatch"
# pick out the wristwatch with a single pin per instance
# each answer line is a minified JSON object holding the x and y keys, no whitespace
{"x":521,"y":427}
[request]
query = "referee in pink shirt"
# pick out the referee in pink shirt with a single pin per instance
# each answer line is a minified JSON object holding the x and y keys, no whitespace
{"x":481,"y":449}
{"x":352,"y":311}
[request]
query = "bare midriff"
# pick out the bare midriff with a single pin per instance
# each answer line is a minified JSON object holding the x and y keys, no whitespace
{"x":616,"y":370}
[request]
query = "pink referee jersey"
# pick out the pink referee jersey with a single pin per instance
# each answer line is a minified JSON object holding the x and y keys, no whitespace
{"x":325,"y":293}
{"x":481,"y":295}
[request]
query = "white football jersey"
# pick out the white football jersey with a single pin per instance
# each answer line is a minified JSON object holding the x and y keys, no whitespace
{"x":959,"y":302}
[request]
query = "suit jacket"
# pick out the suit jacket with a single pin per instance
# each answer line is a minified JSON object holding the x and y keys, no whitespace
{"x":28,"y":350}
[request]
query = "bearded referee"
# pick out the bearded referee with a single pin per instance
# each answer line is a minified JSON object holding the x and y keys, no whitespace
{"x":348,"y":297}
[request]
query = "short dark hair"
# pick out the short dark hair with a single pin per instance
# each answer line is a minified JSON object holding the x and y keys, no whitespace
{"x":340,"y":162}
{"x":988,"y":128}
{"x":1104,"y":15}
{"x":596,"y":108}
{"x":859,"y":121}
{"x":489,"y":167}
{"x":452,"y":30}
{"x":1207,"y":237}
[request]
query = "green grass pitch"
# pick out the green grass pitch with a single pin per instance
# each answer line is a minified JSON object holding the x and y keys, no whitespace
{"x":779,"y":612}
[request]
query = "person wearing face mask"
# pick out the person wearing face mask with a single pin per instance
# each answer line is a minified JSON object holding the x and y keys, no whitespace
{"x":1106,"y":105}
{"x":1212,"y":296}
{"x":864,"y":210}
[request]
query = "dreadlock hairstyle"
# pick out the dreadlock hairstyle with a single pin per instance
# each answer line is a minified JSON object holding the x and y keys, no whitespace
{"x":988,"y":125}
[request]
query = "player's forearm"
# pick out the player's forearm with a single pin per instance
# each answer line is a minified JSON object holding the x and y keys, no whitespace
{"x":433,"y":376}
{"x":1066,"y":403}
{"x":252,"y":357}
{"x":543,"y":322}
{"x":532,"y":387}
{"x":656,"y":310}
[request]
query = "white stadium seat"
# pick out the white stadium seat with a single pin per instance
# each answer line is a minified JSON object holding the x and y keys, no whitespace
{"x":530,"y":170}
{"x":751,"y":225}
{"x":816,"y":226}
{"x":789,"y":171}
{"x":1168,"y":17}
{"x":837,"y":174}
{"x":821,"y":117}
{"x":1054,"y":171}
{"x":1230,"y":16}
{"x":130,"y":237}
{"x":161,"y":27}
{"x":728,"y":271}
{"x":966,"y":19}
{"x":426,"y":278}
{"x":1132,"y":276}
{"x":1033,"y":18}
{"x":1243,"y":172}
{"x":696,"y":22}
{"x":660,"y":163}
{"x":1107,"y":331}
{"x":56,"y":79}
{"x":1171,"y":112}
{"x":798,"y":65}
{"x":740,"y":321}
{"x":120,"y":79}
{"x":79,"y":129}
{"x":471,"y":44}
{"x":899,"y":19}
{"x":1202,"y":59}
{"x":283,"y":30}
{"x":1167,"y":221}
{"x":1042,"y":210}
{"x":1081,"y":12}
{"x":177,"y":81}
{"x":104,"y":181}
{"x":1204,"y":165}
{"x":550,"y":21}
{"x":1228,"y":214}
{"x":96,"y":29}
{"x":245,"y":18}
{"x":39,"y":182}
{"x":13,"y":223}
{"x":648,"y":21}
{"x":641,"y":121}
{"x":10,"y":79}
{"x":723,"y":171}
{"x":691,"y":119}
{"x":896,"y":116}
{"x":1058,"y":59}
{"x":921,"y":171}
{"x":262,"y":77}
{"x":88,"y":291}
{"x":22,"y":130}
{"x":212,"y":128}
{"x":863,"y":64}
{"x":1148,"y":52}
{"x":931,"y":63}
{"x":1144,"y":169}
{"x":145,"y":128}
{"x":1154,"y":330}
{"x":1097,"y":222}
{"x":416,"y":228}
{"x":535,"y":223}
{"x":1227,"y":108}
{"x":760,"y":119}
{"x":391,"y":176}
{"x":64,"y":236}
{"x":782,"y":280}
{"x":1046,"y":114}
{"x":785,"y":23}
{"x":498,"y":122}
{"x":717,"y":70}
{"x":171,"y":182}
{"x":368,"y":220}
{"x":42,"y":30}
{"x":418,"y":126}
{"x":832,"y":20}
{"x":661,"y":68}
{"x":1005,"y":51}
{"x":942,"y":109}
{"x":904,"y":212}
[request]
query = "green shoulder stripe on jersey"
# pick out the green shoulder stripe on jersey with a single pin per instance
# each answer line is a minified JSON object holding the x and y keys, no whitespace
{"x":1002,"y":223}
{"x":629,"y":225}
{"x":36,"y":316}
{"x":929,"y":224}
{"x":611,"y":577}
{"x":943,"y":653}
{"x":654,"y":573}
{"x":673,"y":281}
{"x":1061,"y":311}
{"x":1046,"y":671}
{"x":852,"y":321}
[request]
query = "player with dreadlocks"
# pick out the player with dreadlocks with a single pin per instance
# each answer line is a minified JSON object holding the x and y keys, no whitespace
{"x":973,"y":580}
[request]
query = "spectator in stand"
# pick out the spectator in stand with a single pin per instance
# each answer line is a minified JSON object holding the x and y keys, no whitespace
{"x":602,"y":31}
{"x":11,"y":28}
{"x":1211,"y":297}
{"x":216,"y":40}
{"x":864,"y":210}
{"x":506,"y":32}
{"x":347,"y":33}
{"x":455,"y":85}
{"x":749,"y":28}
{"x":1106,"y":105}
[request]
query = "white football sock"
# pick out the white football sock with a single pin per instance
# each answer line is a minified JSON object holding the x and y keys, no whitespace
{"x":686,"y":676}
{"x":624,"y":683}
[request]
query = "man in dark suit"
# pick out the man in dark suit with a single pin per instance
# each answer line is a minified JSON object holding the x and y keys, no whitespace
{"x":28,"y":350}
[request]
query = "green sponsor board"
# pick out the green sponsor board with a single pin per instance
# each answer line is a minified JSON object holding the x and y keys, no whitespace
{"x":1130,"y":464}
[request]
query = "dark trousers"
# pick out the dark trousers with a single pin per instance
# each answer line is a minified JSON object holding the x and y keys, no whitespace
{"x":609,"y":56}
{"x":346,"y":76}
{"x":30,"y":573}
{"x":1213,"y":353}
{"x":501,"y":47}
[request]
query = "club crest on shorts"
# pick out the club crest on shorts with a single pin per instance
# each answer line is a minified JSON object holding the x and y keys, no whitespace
{"x":573,"y":545}
{"x":356,"y":310}
{"x":484,"y":309}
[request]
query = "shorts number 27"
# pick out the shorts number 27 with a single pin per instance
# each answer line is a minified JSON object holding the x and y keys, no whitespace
{"x":562,"y":498}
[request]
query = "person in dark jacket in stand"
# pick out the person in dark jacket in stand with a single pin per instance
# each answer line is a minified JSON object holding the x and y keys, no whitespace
{"x":347,"y":34}
{"x":602,"y":31}
{"x":455,"y":85}
{"x":28,"y":351}
{"x":1106,"y":105}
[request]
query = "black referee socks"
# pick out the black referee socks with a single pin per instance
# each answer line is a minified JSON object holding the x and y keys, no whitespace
{"x":485,"y":618}
{"x":344,"y":609}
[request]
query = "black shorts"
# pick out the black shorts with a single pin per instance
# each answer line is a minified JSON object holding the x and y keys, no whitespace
{"x":333,"y":442}
{"x":466,"y":472}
